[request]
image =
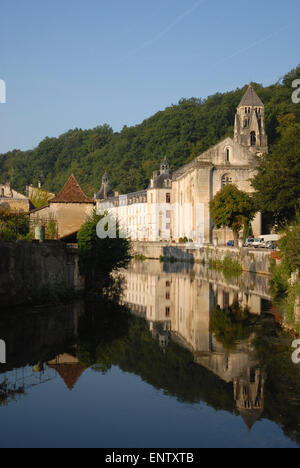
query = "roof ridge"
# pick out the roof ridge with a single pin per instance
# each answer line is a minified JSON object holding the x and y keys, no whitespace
{"x":251,"y":98}
{"x":71,"y":193}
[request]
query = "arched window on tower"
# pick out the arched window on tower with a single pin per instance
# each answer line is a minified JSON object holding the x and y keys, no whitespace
{"x":226,"y":180}
{"x":253,"y":138}
{"x":227,"y":154}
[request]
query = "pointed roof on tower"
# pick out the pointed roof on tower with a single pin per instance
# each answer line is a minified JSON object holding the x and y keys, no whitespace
{"x":71,"y":193}
{"x":251,"y":417}
{"x":251,"y":98}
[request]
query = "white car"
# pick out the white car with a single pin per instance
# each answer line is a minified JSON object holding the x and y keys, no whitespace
{"x":261,"y":241}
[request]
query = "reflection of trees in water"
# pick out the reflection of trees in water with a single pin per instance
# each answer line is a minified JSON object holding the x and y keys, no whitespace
{"x":108,"y":335}
{"x":9,"y":392}
{"x":282,"y":388}
{"x":232,"y":324}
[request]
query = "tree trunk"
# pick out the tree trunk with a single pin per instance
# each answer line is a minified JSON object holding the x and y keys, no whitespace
{"x":236,"y":238}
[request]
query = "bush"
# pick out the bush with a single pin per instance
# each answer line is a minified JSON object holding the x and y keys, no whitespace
{"x":99,"y":257}
{"x":13,"y":225}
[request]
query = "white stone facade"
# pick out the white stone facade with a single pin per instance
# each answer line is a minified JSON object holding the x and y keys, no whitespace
{"x":176,"y":206}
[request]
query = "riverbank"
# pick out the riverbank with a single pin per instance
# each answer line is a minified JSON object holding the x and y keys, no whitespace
{"x":33,"y":272}
{"x":253,"y":261}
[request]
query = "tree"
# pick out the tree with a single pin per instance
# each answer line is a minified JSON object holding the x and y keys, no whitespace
{"x":232,"y":208}
{"x":277,"y":182}
{"x":290,"y":246}
{"x":13,"y":225}
{"x":99,"y":257}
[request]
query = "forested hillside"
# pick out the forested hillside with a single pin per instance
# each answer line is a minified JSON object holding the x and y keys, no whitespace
{"x":180,"y":133}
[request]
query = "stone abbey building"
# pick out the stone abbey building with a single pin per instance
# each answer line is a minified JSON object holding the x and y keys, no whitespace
{"x":176,"y":206}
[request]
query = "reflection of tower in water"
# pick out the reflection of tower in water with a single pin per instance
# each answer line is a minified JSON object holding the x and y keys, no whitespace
{"x":249,"y":395}
{"x":161,"y":331}
{"x":179,"y":306}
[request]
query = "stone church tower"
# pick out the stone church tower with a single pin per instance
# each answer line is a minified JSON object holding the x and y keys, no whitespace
{"x":176,"y":205}
{"x":249,"y":130}
{"x":249,"y":395}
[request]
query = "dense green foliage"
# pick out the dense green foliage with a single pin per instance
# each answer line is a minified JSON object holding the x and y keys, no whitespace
{"x":180,"y":132}
{"x":284,"y":290}
{"x":290,"y":246}
{"x":13,"y":226}
{"x":232,"y":325}
{"x":230,"y":268}
{"x":278,"y":179}
{"x":99,"y":257}
{"x":290,"y":260}
{"x":232,"y":208}
{"x":114,"y":338}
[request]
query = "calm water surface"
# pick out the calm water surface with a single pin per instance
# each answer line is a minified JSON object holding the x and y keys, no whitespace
{"x":187,"y":358}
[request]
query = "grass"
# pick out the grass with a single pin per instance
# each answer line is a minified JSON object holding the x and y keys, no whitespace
{"x":227,"y":266}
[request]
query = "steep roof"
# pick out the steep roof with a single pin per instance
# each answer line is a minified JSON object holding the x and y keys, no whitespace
{"x":71,"y":193}
{"x":70,"y":373}
{"x":250,"y":98}
{"x":250,"y":417}
{"x":69,"y":369}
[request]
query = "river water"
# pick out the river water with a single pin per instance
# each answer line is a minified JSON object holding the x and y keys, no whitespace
{"x":186,"y":358}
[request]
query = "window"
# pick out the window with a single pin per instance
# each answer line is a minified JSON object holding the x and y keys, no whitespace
{"x":168,"y":284}
{"x":226,"y":179}
{"x":253,"y":138}
{"x":227,"y":154}
{"x":168,"y":198}
{"x":168,"y":311}
{"x":168,"y":296}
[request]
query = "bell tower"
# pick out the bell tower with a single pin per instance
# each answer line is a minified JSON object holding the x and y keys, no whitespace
{"x":249,"y":128}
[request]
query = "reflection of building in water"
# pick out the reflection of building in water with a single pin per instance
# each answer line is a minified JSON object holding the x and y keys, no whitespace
{"x":14,"y":384}
{"x":181,"y":304}
{"x":38,"y":338}
{"x":161,"y":331}
{"x":68,"y":368}
{"x":249,"y":395}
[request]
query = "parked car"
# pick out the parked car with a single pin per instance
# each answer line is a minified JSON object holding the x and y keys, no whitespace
{"x":272,"y":245}
{"x":249,"y":242}
{"x":230,"y":243}
{"x":261,"y":241}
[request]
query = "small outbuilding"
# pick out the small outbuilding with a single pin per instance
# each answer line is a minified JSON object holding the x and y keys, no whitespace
{"x":66,"y":213}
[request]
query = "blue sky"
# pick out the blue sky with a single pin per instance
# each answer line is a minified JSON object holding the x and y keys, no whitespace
{"x":74,"y":63}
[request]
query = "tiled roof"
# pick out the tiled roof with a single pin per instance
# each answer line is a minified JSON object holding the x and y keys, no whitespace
{"x":72,"y":193}
{"x":70,"y":373}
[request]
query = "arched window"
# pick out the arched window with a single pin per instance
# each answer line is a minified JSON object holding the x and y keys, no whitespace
{"x":226,"y":179}
{"x":253,"y":138}
{"x":227,"y":154}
